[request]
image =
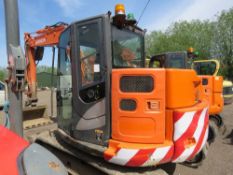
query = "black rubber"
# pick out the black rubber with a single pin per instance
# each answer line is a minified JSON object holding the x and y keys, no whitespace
{"x":213,"y":131}
{"x":198,"y":159}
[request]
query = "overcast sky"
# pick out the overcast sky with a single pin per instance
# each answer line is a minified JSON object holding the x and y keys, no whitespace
{"x":35,"y":14}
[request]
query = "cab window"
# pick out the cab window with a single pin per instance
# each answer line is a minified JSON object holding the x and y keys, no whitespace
{"x":205,"y":68}
{"x":176,"y":60}
{"x":90,"y":56}
{"x":127,"y":48}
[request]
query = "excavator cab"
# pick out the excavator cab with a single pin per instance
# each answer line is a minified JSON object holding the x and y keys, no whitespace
{"x":213,"y":91}
{"x":170,"y":60}
{"x":212,"y":83}
{"x":88,"y":52}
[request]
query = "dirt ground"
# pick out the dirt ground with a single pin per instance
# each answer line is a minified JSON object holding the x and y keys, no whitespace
{"x":220,"y":153}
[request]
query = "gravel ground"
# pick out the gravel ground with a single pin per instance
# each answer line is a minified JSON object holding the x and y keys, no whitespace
{"x":220,"y":154}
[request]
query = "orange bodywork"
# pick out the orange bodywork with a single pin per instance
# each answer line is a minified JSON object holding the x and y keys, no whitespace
{"x":145,"y":124}
{"x":153,"y":125}
{"x":147,"y":135}
{"x":212,"y":91}
{"x":181,"y":88}
{"x":49,"y":36}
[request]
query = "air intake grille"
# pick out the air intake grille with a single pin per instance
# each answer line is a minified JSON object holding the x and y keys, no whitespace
{"x":137,"y":84}
{"x":128,"y":105}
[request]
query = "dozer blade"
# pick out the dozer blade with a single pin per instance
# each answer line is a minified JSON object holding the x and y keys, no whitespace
{"x":79,"y":162}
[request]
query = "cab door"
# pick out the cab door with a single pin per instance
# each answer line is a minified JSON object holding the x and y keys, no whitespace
{"x":64,"y":88}
{"x":91,"y":116}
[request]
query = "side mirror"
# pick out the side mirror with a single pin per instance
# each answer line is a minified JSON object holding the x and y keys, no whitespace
{"x":39,"y":52}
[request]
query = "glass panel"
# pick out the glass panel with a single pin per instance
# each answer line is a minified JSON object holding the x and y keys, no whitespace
{"x":64,"y":77}
{"x":176,"y":60}
{"x":127,"y":48}
{"x":205,"y":68}
{"x":90,"y":56}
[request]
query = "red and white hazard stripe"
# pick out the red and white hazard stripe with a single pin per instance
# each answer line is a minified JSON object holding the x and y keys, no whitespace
{"x":186,"y":125}
{"x":189,"y":125}
{"x":141,"y":157}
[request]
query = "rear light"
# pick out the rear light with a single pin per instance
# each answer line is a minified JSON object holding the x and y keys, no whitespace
{"x":128,"y":105}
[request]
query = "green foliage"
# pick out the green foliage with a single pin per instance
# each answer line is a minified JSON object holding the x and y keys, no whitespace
{"x":47,"y":69}
{"x":210,"y":39}
{"x":3,"y":73}
{"x":182,"y":35}
{"x":224,"y":42}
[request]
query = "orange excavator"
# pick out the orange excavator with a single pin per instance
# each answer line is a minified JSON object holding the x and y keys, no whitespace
{"x":211,"y":83}
{"x":109,"y":105}
{"x":126,"y":112}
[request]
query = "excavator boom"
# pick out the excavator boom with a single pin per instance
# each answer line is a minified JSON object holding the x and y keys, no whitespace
{"x":48,"y":36}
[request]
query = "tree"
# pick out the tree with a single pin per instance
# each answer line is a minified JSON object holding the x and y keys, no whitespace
{"x":180,"y":36}
{"x":211,"y":39}
{"x":2,"y":74}
{"x":157,"y":42}
{"x":47,"y":69}
{"x":223,"y":39}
